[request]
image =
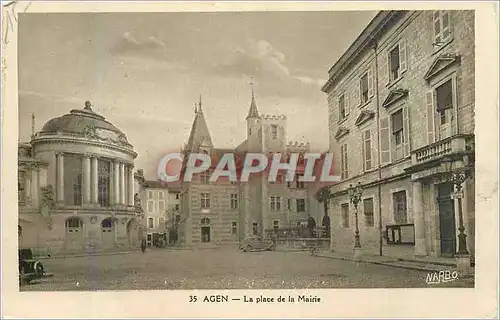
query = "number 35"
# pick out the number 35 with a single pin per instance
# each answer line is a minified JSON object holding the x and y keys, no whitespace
{"x":193,"y":298}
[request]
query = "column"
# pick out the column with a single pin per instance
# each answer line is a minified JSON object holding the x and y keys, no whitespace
{"x":131,"y":186}
{"x":34,"y":186}
{"x":94,"y":179}
{"x":116,"y":184}
{"x":122,"y":184}
{"x":60,"y":177}
{"x":418,"y":219}
{"x":86,"y":179}
{"x":28,"y":192}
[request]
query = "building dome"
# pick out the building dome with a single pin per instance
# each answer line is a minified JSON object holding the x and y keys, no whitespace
{"x":78,"y":121}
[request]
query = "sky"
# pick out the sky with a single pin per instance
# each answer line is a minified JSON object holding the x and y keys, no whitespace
{"x":145,"y":71}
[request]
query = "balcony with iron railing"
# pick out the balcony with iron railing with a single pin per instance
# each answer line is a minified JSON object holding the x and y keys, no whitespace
{"x":456,"y":144}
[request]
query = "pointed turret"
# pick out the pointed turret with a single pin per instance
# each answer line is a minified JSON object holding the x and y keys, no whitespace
{"x":200,"y":135}
{"x":253,"y":112}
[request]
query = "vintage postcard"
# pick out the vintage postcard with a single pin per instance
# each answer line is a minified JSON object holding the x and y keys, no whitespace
{"x":249,"y":160}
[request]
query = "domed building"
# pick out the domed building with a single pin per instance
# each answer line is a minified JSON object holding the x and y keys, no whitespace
{"x":76,"y":186}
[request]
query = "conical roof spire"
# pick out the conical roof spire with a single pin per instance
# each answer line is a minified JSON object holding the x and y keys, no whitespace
{"x":199,"y":131}
{"x":253,"y":112}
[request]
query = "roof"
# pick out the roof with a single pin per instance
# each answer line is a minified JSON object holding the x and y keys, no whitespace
{"x":252,"y":111}
{"x":154,"y":184}
{"x":78,"y":121}
{"x":365,"y":41}
{"x":199,"y":132}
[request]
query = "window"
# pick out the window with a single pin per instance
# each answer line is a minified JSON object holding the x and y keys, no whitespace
{"x":276,"y":224}
{"x":177,"y":219}
{"x":151,"y":223}
{"x":21,"y":192}
{"x":275,"y":203}
{"x":345,"y":215}
{"x":177,"y":197}
{"x":367,"y":150}
{"x":160,"y":194}
{"x":161,"y":222}
{"x":342,"y":107}
{"x":73,"y":225}
{"x":150,"y":194}
{"x":234,"y":201}
{"x":442,"y":31}
{"x":77,"y":190}
{"x":394,"y":66}
{"x":365,"y":95}
{"x":274,"y":131}
{"x":73,"y":171}
{"x":289,"y":204}
{"x":368,"y":212}
{"x":343,"y":162}
{"x":103,"y":183}
{"x":151,"y":205}
{"x":177,"y":207}
{"x":234,"y":228}
{"x":444,"y":105}
{"x":161,"y":205}
{"x":255,"y":228}
{"x":301,"y":205}
{"x":397,"y":135}
{"x":300,"y":184}
{"x":399,"y":203}
{"x":205,"y":177}
{"x":205,"y":201}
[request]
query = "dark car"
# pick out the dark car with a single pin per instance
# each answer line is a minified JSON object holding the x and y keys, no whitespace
{"x":30,"y":269}
{"x":256,"y":243}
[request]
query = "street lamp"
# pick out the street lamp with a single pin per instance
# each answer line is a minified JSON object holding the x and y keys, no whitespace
{"x":355,"y":197}
{"x":458,"y":176}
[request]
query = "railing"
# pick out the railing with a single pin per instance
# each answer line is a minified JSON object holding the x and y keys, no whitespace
{"x":436,"y":150}
{"x":400,"y":233}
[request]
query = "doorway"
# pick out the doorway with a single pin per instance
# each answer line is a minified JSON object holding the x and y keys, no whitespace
{"x":205,"y":234}
{"x":447,"y":231}
{"x":108,"y":233}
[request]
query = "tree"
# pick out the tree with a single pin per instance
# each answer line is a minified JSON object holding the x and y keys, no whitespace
{"x":324,"y":195}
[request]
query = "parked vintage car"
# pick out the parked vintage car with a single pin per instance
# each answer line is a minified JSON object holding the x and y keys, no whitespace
{"x":256,"y":243}
{"x":30,"y":269}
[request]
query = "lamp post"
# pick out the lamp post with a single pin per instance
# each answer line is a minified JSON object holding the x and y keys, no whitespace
{"x":458,"y":176}
{"x":355,"y":197}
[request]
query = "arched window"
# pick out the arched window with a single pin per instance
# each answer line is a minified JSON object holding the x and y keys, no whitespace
{"x":74,"y":225}
{"x":107,"y":223}
{"x":205,"y":221}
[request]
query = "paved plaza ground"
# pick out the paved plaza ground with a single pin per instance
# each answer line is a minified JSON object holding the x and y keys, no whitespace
{"x":222,"y":269}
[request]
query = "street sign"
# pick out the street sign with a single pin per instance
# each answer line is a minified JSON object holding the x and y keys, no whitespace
{"x":457,"y":195}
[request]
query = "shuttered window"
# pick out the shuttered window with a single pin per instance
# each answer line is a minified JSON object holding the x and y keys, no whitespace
{"x":399,"y":207}
{"x":342,"y":107}
{"x":345,"y":215}
{"x":367,"y":150}
{"x":397,"y":135}
{"x":396,"y":61}
{"x":368,"y":212}
{"x":343,"y":162}
{"x":442,"y":30}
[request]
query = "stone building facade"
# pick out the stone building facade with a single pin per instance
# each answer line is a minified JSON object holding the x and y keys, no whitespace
{"x":401,"y":98}
{"x":225,"y":212}
{"x":160,"y":203}
{"x":76,"y":186}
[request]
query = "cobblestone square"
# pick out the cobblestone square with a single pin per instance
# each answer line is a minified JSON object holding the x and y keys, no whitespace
{"x":221,"y":269}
